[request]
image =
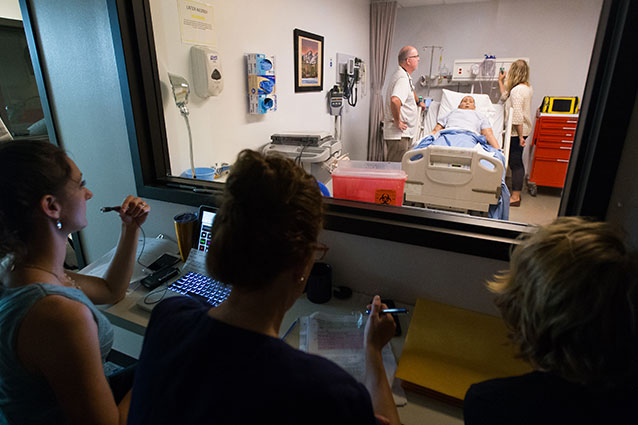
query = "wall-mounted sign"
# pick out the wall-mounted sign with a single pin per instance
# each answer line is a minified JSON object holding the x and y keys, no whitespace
{"x":197,"y":23}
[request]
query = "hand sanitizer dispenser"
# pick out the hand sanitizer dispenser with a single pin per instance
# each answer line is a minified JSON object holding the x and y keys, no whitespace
{"x":207,"y":71}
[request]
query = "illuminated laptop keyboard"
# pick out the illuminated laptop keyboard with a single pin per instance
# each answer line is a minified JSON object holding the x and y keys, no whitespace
{"x":201,"y":287}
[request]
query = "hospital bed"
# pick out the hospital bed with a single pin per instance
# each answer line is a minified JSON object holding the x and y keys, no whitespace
{"x":455,"y":178}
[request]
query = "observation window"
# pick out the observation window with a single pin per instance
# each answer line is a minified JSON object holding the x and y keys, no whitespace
{"x":151,"y":45}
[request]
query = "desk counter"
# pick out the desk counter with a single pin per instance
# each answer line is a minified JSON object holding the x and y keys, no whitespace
{"x":419,"y":410}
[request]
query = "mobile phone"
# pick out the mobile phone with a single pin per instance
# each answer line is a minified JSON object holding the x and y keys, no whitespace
{"x":156,"y":279}
{"x":164,"y":261}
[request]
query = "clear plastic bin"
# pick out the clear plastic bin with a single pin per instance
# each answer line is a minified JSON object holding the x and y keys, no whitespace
{"x":375,"y":182}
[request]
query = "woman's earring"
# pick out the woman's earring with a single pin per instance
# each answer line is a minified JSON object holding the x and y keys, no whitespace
{"x":58,"y":225}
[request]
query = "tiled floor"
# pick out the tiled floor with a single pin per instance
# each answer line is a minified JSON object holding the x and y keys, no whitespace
{"x":539,"y":209}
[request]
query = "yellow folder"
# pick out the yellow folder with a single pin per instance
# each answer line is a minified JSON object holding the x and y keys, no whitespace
{"x":447,"y":349}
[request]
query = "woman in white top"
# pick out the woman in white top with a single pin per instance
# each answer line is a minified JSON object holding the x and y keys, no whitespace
{"x":518,"y":92}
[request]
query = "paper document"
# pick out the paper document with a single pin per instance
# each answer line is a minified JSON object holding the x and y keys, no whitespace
{"x":196,"y":262}
{"x":339,"y":338}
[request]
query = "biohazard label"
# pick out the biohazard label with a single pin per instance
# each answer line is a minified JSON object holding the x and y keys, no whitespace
{"x":385,"y":196}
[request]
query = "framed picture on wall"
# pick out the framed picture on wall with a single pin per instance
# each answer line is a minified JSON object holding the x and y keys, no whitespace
{"x":308,"y":61}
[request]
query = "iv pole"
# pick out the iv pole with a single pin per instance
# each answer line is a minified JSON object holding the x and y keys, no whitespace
{"x":431,"y":61}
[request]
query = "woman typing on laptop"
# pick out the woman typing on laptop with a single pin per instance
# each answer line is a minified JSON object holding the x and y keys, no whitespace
{"x":53,"y":341}
{"x":226,"y":364}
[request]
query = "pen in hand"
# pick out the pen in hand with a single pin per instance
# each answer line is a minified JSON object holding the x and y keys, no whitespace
{"x":391,"y":311}
{"x":109,"y":209}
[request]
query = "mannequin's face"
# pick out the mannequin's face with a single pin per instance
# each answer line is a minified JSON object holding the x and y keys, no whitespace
{"x":467,"y":103}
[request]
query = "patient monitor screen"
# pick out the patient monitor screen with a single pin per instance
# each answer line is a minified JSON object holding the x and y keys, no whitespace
{"x":204,"y":230}
{"x":562,"y":105}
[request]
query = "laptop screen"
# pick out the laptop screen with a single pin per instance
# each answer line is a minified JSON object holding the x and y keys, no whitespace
{"x":206,"y":217}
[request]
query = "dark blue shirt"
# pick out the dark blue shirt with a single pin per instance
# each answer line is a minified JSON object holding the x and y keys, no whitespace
{"x":197,"y":370}
{"x":541,"y":398}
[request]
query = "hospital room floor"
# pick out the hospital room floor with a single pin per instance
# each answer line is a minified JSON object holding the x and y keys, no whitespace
{"x":539,"y":209}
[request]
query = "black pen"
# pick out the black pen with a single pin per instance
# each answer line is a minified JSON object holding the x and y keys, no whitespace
{"x":109,"y":209}
{"x":392,"y":311}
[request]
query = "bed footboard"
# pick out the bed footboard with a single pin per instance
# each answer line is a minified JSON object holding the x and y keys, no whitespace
{"x":453,"y":178}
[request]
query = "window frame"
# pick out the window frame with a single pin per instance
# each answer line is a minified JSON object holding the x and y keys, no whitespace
{"x":587,"y":189}
{"x":34,"y":46}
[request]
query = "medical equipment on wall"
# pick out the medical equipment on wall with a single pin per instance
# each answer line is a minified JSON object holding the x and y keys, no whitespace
{"x":335,"y":100}
{"x":207,"y":71}
{"x":181,"y":90}
{"x":485,"y":69}
{"x":316,"y":152}
{"x":261,"y":83}
{"x":350,"y":75}
{"x":335,"y":107}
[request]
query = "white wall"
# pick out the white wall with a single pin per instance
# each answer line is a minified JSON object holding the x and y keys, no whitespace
{"x":556,"y":36}
{"x":221,"y":124}
{"x":10,"y":9}
{"x":406,"y":272}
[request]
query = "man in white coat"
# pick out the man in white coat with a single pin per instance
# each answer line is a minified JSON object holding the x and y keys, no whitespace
{"x":401,"y":106}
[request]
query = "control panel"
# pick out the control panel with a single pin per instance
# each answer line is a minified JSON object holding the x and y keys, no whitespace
{"x":486,"y":69}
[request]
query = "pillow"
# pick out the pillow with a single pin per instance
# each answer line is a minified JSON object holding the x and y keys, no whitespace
{"x":451,"y":99}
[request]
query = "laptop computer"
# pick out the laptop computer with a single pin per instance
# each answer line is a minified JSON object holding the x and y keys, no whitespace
{"x":193,"y":280}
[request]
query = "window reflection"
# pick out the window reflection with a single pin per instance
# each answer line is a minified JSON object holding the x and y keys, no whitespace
{"x":20,"y":109}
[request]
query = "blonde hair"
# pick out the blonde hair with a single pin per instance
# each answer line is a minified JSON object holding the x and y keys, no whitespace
{"x":517,"y":74}
{"x":570,"y":301}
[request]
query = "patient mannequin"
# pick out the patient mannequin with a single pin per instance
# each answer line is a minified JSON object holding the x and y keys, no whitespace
{"x":226,"y":364}
{"x":466,"y":117}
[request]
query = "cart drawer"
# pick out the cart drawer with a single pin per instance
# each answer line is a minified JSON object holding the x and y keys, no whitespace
{"x":552,"y":152}
{"x":557,"y":132}
{"x":562,"y":140}
{"x":549,"y":172}
{"x":555,"y":125}
{"x":568,"y":121}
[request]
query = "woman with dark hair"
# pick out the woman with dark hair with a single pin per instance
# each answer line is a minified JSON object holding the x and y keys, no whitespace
{"x":226,"y":364}
{"x":517,"y":91}
{"x":570,"y":301}
{"x":53,"y":340}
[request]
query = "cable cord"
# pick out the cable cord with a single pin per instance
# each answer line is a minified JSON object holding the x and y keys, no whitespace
{"x":143,"y":246}
{"x":352,"y":89}
{"x":298,"y":159}
{"x":155,"y":292}
{"x":190,"y":145}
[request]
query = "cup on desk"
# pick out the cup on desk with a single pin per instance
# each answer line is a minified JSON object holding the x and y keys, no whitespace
{"x":319,"y":287}
{"x":184,"y":226}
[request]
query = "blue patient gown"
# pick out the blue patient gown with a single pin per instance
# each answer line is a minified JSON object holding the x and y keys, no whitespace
{"x":468,"y":139}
